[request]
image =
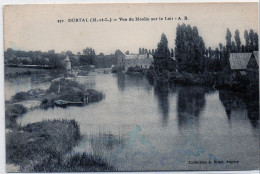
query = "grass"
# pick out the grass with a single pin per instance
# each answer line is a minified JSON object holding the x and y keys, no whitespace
{"x":12,"y":111}
{"x":42,"y":147}
{"x":39,"y":141}
{"x":65,"y":86}
{"x":41,"y":138}
{"x":76,"y":163}
{"x":29,"y":95}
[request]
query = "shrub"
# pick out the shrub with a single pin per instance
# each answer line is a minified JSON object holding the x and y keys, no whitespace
{"x":20,"y":96}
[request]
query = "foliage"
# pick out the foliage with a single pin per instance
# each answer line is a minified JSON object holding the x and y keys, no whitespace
{"x":246,"y":36}
{"x":87,"y":59}
{"x":190,"y":49}
{"x":135,"y":69}
{"x":228,"y":40}
{"x":162,"y":59}
{"x":65,"y":85}
{"x":237,"y":39}
{"x":15,"y":110}
{"x":31,"y":94}
{"x":38,"y":141}
{"x":76,"y":163}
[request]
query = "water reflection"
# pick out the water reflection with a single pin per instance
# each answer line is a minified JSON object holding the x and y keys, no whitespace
{"x":130,"y":81}
{"x":191,"y":101}
{"x":121,"y":81}
{"x":240,"y":107}
{"x":161,"y":91}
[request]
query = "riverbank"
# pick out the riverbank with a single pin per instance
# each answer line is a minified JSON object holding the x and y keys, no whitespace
{"x":211,"y":79}
{"x":46,"y":146}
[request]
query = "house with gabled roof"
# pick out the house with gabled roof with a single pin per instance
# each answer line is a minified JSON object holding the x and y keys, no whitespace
{"x":244,"y":65}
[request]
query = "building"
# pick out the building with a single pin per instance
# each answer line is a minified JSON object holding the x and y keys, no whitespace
{"x":244,"y":66}
{"x":120,"y":60}
{"x":238,"y":63}
{"x":67,"y":63}
{"x":253,"y":68}
{"x":133,"y":60}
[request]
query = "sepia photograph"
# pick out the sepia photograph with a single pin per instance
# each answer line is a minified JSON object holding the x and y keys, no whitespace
{"x":131,"y":87}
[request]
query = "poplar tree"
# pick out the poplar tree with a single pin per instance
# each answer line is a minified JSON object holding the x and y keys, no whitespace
{"x":237,"y":39}
{"x":228,"y":40}
{"x":246,"y":36}
{"x":162,"y":56}
{"x":189,"y":49}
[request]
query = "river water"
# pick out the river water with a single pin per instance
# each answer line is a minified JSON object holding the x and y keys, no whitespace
{"x":140,"y":126}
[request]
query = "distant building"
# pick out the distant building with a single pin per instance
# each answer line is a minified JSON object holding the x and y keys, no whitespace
{"x":120,"y":59}
{"x":144,"y":60}
{"x":126,"y":61}
{"x":67,"y":63}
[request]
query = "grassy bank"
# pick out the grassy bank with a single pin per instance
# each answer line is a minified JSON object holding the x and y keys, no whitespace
{"x":45,"y":147}
{"x":37,"y":141}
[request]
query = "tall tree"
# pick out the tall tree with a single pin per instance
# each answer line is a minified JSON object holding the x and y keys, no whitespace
{"x":242,"y":48}
{"x":256,"y":42}
{"x":89,"y":56}
{"x":228,"y":40}
{"x":153,"y":51}
{"x":217,"y":53}
{"x":162,"y":56}
{"x":220,"y":46}
{"x":233,"y":47}
{"x":172,"y":53}
{"x":246,"y":36}
{"x":189,"y":49}
{"x":140,"y":50}
{"x":237,"y":39}
{"x":251,"y":40}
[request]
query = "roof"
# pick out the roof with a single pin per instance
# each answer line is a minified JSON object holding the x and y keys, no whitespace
{"x":106,"y":56}
{"x":119,"y":52}
{"x":256,"y":55}
{"x":138,"y":56}
{"x":239,"y":60}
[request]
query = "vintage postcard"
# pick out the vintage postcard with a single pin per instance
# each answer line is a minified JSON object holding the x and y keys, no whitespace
{"x":131,"y":87}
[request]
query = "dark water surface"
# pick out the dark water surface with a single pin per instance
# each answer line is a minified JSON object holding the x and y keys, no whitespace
{"x":141,"y":127}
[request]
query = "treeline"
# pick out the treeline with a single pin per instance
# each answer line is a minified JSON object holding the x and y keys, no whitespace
{"x":55,"y":60}
{"x":33,"y":58}
{"x":192,"y":56}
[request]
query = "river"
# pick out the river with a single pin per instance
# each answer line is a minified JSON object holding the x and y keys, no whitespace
{"x":141,"y":127}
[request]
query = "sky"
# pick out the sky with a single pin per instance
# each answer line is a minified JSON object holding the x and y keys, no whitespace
{"x":36,"y":27}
